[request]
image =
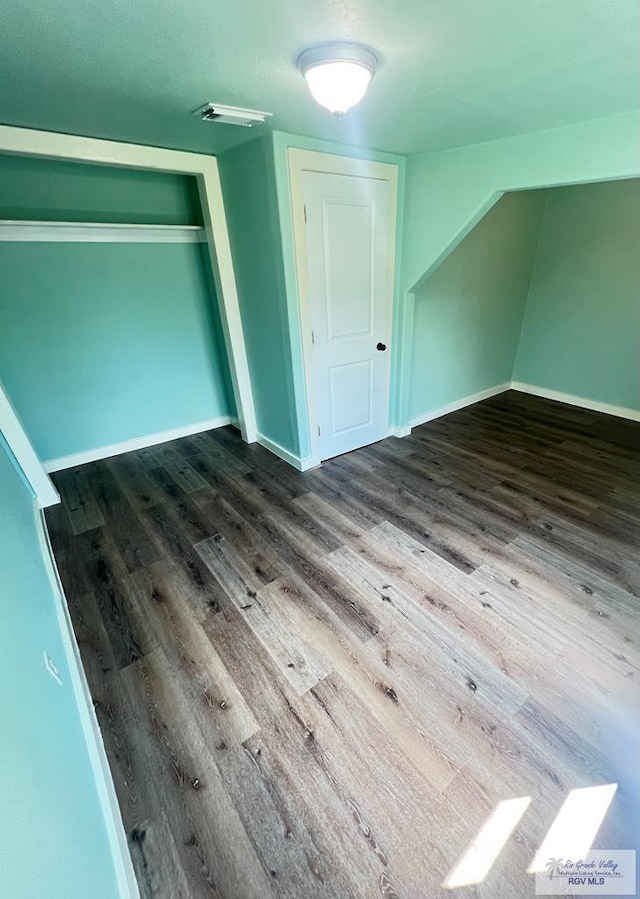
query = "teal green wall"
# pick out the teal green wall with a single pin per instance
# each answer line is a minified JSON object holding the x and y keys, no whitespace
{"x":251,"y":205}
{"x":51,"y":190}
{"x":52,"y":832}
{"x":468,"y":314}
{"x":581,"y":330}
{"x":281,"y":143}
{"x":104,"y":342}
{"x":448,"y":192}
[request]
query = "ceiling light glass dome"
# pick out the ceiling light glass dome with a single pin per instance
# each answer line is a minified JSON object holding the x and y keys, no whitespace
{"x":338,"y":75}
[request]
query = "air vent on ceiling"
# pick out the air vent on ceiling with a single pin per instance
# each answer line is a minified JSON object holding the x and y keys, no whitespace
{"x":231,"y":115}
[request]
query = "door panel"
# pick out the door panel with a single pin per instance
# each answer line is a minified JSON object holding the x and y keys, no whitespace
{"x":351,"y":396}
{"x":347,"y":256}
{"x":347,"y":243}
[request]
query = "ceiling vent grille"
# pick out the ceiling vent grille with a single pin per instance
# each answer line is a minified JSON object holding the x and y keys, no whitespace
{"x":231,"y":115}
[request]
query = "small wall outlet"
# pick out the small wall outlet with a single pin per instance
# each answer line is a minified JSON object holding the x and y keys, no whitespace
{"x":52,"y":668}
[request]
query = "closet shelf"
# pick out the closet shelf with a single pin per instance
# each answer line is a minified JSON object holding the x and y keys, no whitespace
{"x":98,"y":232}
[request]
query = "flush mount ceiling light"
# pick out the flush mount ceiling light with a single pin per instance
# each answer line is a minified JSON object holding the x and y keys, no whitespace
{"x":338,"y":75}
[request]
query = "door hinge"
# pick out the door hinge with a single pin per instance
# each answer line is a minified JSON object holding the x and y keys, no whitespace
{"x":313,"y":337}
{"x":318,"y":430}
{"x":304,"y":207}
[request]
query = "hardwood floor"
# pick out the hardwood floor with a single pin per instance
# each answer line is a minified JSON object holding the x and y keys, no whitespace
{"x":322,"y":684}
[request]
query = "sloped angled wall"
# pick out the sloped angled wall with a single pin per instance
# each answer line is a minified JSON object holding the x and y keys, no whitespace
{"x":468,"y":314}
{"x":448,"y":192}
{"x":544,"y":292}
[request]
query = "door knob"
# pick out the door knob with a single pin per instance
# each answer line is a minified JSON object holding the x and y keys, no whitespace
{"x":381,"y":346}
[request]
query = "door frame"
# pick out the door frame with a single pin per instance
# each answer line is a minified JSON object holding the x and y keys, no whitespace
{"x":299,"y":162}
{"x":72,"y":148}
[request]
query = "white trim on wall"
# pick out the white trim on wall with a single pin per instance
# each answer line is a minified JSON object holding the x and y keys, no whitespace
{"x":136,"y":443}
{"x":582,"y":402}
{"x":459,"y":404}
{"x":125,"y":875}
{"x":399,"y":431}
{"x":97,"y":232}
{"x":299,"y":162}
{"x":219,"y":249}
{"x":557,"y":395}
{"x":297,"y":462}
{"x":72,"y":147}
{"x":51,"y":145}
{"x":24,"y":453}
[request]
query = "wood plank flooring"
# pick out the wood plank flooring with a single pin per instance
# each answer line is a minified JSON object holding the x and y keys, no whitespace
{"x":322,"y":684}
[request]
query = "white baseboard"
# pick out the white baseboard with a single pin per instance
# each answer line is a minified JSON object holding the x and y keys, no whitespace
{"x":582,"y":402}
{"x":126,"y":446}
{"x":309,"y":462}
{"x":399,"y":431}
{"x":302,"y":464}
{"x":570,"y":399}
{"x":459,"y":404}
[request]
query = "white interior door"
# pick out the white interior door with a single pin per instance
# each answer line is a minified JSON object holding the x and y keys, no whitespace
{"x":347,"y":234}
